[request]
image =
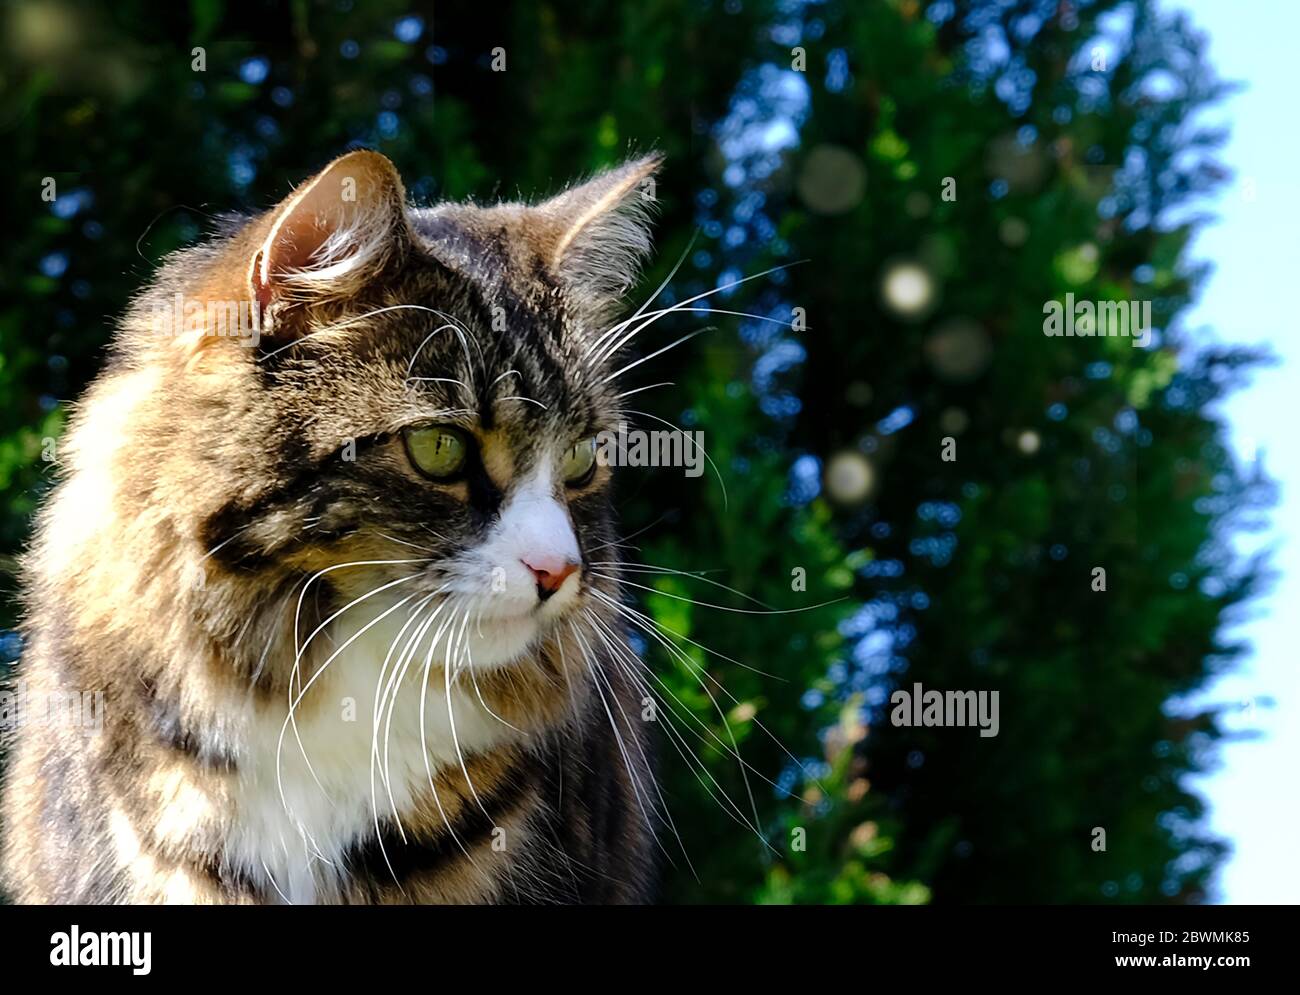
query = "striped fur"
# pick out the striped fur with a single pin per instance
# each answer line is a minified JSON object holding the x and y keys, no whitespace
{"x":238,"y":530}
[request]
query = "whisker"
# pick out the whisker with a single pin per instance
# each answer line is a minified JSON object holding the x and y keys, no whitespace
{"x":638,"y":390}
{"x":632,"y":612}
{"x":344,"y":323}
{"x":395,"y":683}
{"x":652,"y":629}
{"x":225,"y":542}
{"x":459,"y":383}
{"x":618,"y":739}
{"x":451,"y":719}
{"x":617,"y":649}
{"x":515,"y":397}
{"x":735,"y":752}
{"x":294,"y":702}
{"x":271,"y":877}
{"x":650,"y":300}
{"x":724,"y":608}
{"x":652,"y":568}
{"x":412,"y":618}
{"x":299,"y":650}
{"x":672,"y":825}
{"x":381,"y":702}
{"x":436,"y":535}
{"x":564,"y":671}
{"x":696,"y":766}
{"x":297,"y":616}
{"x":677,"y":309}
{"x":403,"y":542}
{"x":624,"y":540}
{"x":428,"y":771}
{"x":608,"y":351}
{"x":442,"y":328}
{"x":469,"y":666}
{"x":659,"y":352}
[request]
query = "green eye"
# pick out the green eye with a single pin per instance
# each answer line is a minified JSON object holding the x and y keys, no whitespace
{"x":580,"y":462}
{"x":437,"y":451}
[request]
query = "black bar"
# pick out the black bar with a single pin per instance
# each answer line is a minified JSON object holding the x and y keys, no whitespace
{"x":438,"y":944}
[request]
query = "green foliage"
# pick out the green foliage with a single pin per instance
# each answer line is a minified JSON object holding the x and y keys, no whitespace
{"x":977,"y":571}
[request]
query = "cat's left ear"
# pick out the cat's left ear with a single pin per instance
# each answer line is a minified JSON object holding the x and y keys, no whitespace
{"x":331,"y":235}
{"x":595,"y":236}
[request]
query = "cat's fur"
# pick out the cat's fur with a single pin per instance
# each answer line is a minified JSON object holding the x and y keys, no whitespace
{"x":221,"y":505}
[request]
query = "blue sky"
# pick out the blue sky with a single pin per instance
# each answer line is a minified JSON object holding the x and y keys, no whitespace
{"x":1255,"y":795}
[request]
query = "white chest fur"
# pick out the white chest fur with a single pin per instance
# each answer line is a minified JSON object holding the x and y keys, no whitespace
{"x":367,"y":733}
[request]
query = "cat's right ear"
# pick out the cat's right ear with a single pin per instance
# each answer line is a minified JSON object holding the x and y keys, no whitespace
{"x":331,"y":236}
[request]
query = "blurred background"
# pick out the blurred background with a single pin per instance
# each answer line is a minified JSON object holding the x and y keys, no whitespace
{"x":937,"y":172}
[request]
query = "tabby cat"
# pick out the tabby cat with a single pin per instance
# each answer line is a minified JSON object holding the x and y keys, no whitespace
{"x":331,"y":570}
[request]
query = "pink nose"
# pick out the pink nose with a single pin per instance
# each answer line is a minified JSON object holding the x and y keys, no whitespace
{"x":550,"y":573}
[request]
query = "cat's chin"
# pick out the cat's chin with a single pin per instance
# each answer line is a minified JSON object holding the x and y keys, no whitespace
{"x":502,"y":640}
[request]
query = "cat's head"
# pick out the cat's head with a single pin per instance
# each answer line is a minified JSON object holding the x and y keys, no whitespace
{"x":420,"y":400}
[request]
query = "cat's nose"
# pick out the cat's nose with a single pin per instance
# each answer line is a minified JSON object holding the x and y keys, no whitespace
{"x":550,"y":572}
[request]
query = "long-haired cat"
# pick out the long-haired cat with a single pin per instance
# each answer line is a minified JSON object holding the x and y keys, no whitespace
{"x":322,"y":542}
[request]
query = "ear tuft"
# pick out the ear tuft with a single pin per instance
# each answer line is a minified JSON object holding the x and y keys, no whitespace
{"x":332,"y":233}
{"x":599,"y":232}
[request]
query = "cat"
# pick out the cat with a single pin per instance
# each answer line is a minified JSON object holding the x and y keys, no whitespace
{"x":330,"y":569}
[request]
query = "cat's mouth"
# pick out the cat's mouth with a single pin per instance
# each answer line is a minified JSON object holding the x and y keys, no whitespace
{"x":487,"y":628}
{"x":506,"y":636}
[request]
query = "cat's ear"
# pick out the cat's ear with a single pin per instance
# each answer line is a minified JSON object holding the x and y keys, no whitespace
{"x":332,"y":234}
{"x":595,"y":236}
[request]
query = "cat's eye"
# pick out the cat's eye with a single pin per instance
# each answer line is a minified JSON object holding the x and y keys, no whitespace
{"x":437,"y":451}
{"x":580,"y":463}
